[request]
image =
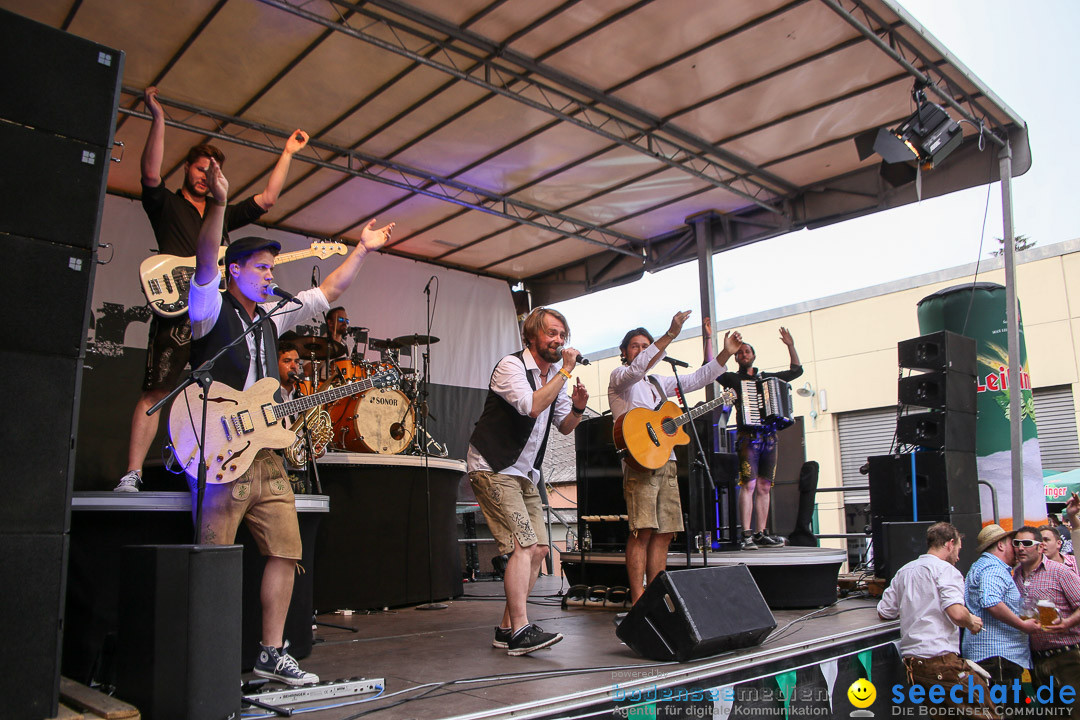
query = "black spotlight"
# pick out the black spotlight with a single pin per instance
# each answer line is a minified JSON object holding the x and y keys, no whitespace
{"x":926,"y":138}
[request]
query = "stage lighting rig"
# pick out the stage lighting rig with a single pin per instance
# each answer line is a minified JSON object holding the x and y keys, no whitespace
{"x":926,"y":138}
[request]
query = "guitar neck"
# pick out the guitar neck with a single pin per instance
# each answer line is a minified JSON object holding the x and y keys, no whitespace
{"x":299,"y":405}
{"x":701,"y":409}
{"x":293,"y":255}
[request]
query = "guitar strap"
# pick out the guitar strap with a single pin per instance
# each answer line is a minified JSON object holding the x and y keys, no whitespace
{"x":659,"y":391}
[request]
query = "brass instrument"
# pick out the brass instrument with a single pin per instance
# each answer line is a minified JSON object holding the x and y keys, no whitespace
{"x":321,"y":429}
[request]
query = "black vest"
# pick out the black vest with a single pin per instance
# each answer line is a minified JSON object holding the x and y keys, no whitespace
{"x":502,"y":432}
{"x":232,"y":367}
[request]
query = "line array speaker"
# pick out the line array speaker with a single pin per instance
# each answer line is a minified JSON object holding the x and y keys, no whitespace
{"x":942,"y":350}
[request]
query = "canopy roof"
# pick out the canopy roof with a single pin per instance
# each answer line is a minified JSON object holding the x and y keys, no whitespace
{"x":563,"y":143}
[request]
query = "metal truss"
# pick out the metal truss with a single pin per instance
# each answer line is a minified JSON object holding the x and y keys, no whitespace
{"x":513,"y":75}
{"x":369,"y":167}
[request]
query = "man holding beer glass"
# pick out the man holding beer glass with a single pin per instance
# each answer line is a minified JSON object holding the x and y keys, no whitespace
{"x":1055,"y":592}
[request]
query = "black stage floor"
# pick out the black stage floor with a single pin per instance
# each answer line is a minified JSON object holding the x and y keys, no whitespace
{"x":440,"y":663}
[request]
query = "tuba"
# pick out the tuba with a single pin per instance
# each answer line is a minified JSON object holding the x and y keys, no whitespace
{"x":321,"y":429}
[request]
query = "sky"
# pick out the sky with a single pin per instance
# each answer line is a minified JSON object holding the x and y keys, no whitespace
{"x":1025,"y":53}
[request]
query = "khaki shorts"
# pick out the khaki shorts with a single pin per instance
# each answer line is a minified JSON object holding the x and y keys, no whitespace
{"x":263,"y":498}
{"x":512,"y":508}
{"x":652,"y":498}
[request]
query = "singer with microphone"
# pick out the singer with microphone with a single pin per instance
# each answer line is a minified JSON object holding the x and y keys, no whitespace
{"x":262,"y":496}
{"x":527,"y":394}
{"x":652,"y":496}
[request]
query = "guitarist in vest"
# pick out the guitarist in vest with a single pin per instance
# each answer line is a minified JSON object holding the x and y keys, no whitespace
{"x":526,"y":396}
{"x":757,"y":448}
{"x":261,"y":496}
{"x":652,"y":496}
{"x":176,"y":219}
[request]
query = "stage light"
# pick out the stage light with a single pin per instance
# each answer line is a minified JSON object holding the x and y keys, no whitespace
{"x":924,"y":140}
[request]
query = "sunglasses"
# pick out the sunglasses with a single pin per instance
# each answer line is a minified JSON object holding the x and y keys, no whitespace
{"x":1024,"y":543}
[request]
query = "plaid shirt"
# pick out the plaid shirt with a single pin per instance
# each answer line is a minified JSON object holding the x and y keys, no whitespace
{"x":988,"y":583}
{"x":1055,"y":582}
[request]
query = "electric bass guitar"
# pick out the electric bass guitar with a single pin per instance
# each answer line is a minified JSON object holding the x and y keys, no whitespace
{"x":165,"y":279}
{"x":241,"y":423}
{"x":648,"y":436}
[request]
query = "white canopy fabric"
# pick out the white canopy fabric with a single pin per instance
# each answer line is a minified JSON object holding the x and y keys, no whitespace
{"x":563,"y":143}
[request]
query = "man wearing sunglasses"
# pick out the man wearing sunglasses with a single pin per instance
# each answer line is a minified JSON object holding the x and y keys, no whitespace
{"x":990,"y":593}
{"x":1055,"y":649}
{"x":927,"y":595}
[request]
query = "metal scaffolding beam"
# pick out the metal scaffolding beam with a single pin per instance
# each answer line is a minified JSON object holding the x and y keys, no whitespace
{"x":582,"y":106}
{"x":369,"y":167}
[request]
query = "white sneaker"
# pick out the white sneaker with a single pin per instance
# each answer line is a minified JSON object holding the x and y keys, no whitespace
{"x":130,"y":482}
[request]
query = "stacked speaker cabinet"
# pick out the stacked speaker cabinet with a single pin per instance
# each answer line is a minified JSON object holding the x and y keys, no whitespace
{"x":936,"y":479}
{"x":57,"y":118}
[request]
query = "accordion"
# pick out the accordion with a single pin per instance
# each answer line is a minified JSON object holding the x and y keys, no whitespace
{"x":765,"y":404}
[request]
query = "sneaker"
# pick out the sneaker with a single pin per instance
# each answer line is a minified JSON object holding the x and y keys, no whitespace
{"x":763,"y":539}
{"x":130,"y":482}
{"x":502,"y":638}
{"x":529,"y":638}
{"x":279,"y":665}
{"x":747,"y":542}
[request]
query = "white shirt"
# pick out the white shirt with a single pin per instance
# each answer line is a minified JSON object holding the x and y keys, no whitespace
{"x":204,"y":307}
{"x":919,"y":595}
{"x":629,"y":387}
{"x":509,"y":382}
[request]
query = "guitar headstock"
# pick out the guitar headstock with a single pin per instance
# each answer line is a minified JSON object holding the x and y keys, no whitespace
{"x":386,"y":379}
{"x":323,"y":250}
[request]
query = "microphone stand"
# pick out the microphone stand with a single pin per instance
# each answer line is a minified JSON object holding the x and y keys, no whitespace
{"x":699,"y":473}
{"x":202,"y":375}
{"x":422,"y":424}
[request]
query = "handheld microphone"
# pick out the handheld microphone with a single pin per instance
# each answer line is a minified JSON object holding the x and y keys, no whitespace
{"x":675,"y":363}
{"x":578,"y":360}
{"x":285,"y":294}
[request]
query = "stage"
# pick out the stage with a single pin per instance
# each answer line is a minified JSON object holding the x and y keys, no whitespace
{"x":440,"y":664}
{"x":788,"y":577}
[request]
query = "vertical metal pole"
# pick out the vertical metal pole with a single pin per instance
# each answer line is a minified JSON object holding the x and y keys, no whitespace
{"x":703,"y":235}
{"x":1012,"y":319}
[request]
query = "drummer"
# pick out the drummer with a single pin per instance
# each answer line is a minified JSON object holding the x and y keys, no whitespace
{"x":337,"y":327}
{"x":337,"y":324}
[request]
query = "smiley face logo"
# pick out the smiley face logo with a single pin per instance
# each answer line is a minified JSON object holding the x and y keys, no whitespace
{"x":862,"y":693}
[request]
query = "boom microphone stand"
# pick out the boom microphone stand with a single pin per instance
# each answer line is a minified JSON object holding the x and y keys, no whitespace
{"x":699,"y":470}
{"x":422,"y":423}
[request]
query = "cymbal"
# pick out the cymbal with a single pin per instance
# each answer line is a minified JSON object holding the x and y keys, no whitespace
{"x":320,"y":348}
{"x":407,"y":371}
{"x":385,"y":345}
{"x":415,"y":339}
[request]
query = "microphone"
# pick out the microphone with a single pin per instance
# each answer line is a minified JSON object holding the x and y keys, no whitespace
{"x":428,"y":286}
{"x":675,"y":363}
{"x":295,"y":377}
{"x":284,"y":294}
{"x":578,"y":360}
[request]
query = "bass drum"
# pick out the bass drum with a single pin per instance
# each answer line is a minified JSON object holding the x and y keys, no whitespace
{"x":375,"y":421}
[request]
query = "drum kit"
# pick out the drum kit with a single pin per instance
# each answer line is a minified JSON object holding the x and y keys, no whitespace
{"x":382,"y":421}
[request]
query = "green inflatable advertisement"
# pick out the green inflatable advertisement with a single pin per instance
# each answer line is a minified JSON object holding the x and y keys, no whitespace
{"x":978,"y":311}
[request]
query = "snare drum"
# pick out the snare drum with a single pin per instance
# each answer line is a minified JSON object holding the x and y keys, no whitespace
{"x":375,"y":421}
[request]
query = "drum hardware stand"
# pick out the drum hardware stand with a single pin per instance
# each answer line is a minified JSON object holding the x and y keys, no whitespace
{"x":312,"y":481}
{"x":421,"y":423}
{"x":699,"y":474}
{"x":203,"y":376}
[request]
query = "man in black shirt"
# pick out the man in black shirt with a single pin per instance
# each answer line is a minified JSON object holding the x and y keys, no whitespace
{"x":757,"y":448}
{"x":176,"y":219}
